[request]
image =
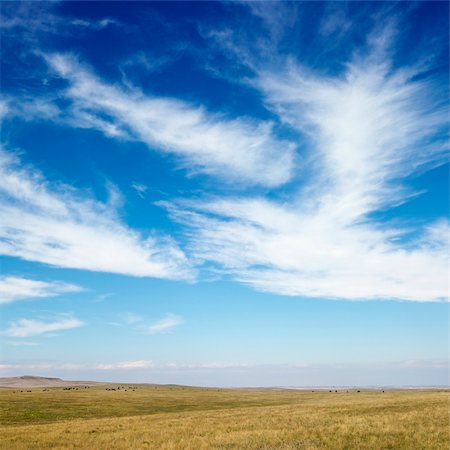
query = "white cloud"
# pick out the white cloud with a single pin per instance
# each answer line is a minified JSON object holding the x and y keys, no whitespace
{"x":165,"y":324}
{"x":334,"y":23}
{"x":368,"y":129}
{"x":28,"y":108}
{"x":140,"y":189}
{"x":4,"y":109}
{"x":278,"y":250}
{"x":213,"y":365}
{"x":235,"y":149}
{"x":17,"y":288}
{"x":131,"y":318}
{"x":140,"y":364}
{"x":42,"y":366}
{"x":30,"y":327}
{"x":126,"y":365}
{"x":277,"y":17}
{"x":56,"y":226}
{"x":28,"y":21}
{"x":95,"y":24}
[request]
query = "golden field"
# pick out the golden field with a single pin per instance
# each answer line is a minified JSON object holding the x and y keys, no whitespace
{"x":172,"y":417}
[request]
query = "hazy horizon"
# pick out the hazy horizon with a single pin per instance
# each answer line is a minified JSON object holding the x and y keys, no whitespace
{"x":231,"y":386}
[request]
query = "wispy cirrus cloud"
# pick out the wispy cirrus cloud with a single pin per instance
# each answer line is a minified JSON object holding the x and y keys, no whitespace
{"x":58,"y":226}
{"x":28,"y":22}
{"x":164,"y":325}
{"x":30,"y":327}
{"x":29,"y":18}
{"x":95,"y":24}
{"x":277,"y":17}
{"x":131,"y":318}
{"x":242,"y":149}
{"x":140,"y":189}
{"x":363,"y":131}
{"x":17,"y":288}
{"x":140,"y":324}
{"x":273,"y":249}
{"x":367,"y":130}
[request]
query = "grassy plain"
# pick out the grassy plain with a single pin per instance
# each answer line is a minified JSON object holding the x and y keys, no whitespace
{"x":171,"y":417}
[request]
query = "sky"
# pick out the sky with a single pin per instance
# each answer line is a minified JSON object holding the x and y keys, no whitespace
{"x":225,"y":193}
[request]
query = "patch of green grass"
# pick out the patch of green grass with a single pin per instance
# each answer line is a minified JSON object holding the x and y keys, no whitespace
{"x":55,"y":404}
{"x":172,"y":418}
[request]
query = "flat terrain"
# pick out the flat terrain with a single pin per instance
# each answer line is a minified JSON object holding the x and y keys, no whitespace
{"x":175,"y":417}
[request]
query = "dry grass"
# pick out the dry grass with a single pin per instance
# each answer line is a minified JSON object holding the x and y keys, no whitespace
{"x":177,"y":418}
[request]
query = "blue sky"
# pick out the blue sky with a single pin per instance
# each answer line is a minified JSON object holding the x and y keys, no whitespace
{"x":220,"y":193}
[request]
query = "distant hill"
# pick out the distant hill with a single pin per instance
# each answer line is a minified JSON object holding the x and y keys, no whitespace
{"x":30,"y":381}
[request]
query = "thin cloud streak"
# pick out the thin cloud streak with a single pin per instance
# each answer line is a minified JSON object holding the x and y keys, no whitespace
{"x":55,"y":225}
{"x":165,"y":324}
{"x":131,"y":318}
{"x":29,"y":327}
{"x":140,"y":189}
{"x":241,"y":149}
{"x":17,"y":288}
